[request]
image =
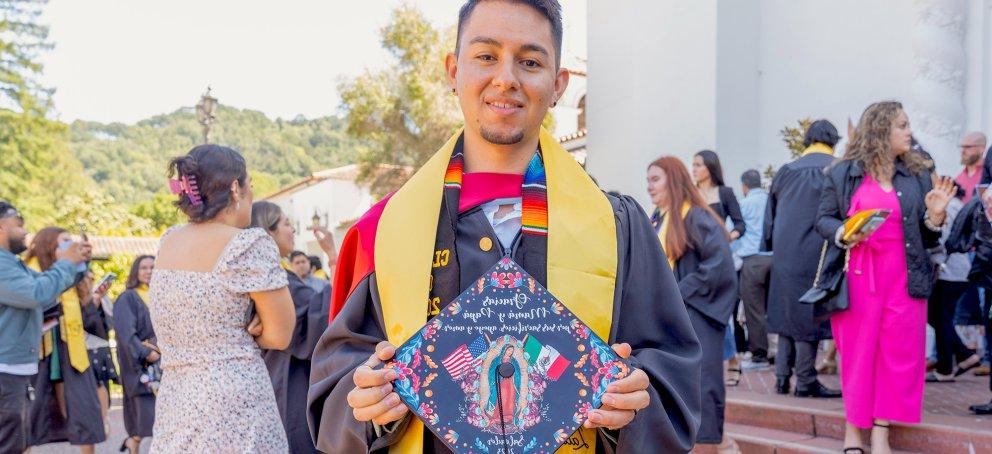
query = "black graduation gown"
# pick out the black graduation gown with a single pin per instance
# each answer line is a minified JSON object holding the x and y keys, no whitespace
{"x":289,"y":369}
{"x":708,"y":284}
{"x":99,"y":324}
{"x":133,"y":324}
{"x":790,"y":231}
{"x":647,"y":314}
{"x":83,"y":423}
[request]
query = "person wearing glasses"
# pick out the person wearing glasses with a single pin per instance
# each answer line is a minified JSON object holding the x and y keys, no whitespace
{"x":24,"y":295}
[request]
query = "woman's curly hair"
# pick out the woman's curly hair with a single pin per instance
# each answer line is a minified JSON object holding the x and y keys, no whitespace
{"x":870,"y":145}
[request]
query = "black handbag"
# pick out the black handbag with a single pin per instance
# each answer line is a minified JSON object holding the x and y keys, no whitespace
{"x":829,"y":292}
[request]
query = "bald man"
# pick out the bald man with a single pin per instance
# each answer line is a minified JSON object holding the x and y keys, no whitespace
{"x":972,"y":151}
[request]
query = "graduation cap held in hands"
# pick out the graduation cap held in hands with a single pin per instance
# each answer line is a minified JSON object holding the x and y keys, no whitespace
{"x":505,"y":367}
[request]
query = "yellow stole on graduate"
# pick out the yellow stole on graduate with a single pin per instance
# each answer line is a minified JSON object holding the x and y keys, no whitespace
{"x":71,"y":324}
{"x":142,"y":290}
{"x":819,"y":147}
{"x":663,"y":233}
{"x":582,"y":253}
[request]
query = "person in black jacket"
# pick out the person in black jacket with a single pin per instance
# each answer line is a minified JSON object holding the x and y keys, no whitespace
{"x":790,"y":231}
{"x":695,"y":242}
{"x":981,"y":274}
{"x":881,"y":335}
{"x":289,"y":369}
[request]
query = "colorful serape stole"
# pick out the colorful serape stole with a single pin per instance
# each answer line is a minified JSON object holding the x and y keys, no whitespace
{"x":534,"y":195}
{"x":453,"y":176}
{"x":533,"y":191}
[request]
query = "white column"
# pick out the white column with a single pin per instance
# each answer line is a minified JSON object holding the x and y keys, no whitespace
{"x":936,"y":110}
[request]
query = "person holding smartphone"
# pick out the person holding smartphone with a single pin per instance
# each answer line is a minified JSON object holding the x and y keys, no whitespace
{"x":67,"y":405}
{"x":97,"y":323}
{"x":24,"y":294}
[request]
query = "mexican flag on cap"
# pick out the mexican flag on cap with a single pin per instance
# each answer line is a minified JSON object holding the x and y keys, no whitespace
{"x":545,"y":359}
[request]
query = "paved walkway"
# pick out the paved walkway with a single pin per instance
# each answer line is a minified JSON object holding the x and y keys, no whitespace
{"x":117,"y":435}
{"x":950,"y":399}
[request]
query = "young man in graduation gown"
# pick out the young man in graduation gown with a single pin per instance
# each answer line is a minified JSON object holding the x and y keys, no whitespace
{"x":504,"y":186}
{"x":790,"y":217}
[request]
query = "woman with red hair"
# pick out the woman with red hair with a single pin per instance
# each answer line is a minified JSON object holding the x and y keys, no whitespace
{"x":698,"y":249}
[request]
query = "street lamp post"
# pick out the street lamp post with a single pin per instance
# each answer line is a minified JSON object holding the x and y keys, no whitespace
{"x":315,"y":220}
{"x":205,"y":113}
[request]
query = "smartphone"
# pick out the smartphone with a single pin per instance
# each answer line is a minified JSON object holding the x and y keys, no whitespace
{"x":106,"y":279}
{"x":82,"y":266}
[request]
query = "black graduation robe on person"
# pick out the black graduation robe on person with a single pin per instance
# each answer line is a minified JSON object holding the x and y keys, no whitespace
{"x":83,"y":424}
{"x":647,"y":314}
{"x":98,"y":323}
{"x":289,"y":369}
{"x":790,"y":232}
{"x":133,"y":324}
{"x":708,"y":284}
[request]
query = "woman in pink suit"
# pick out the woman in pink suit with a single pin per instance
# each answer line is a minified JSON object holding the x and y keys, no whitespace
{"x":881,"y":337}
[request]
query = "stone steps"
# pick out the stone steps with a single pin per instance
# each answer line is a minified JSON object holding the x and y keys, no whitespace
{"x":781,"y":424}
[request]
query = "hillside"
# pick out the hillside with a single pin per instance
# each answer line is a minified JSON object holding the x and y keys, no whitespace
{"x":129,"y":161}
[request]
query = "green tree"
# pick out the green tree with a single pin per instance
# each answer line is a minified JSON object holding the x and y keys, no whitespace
{"x":129,"y":161}
{"x":793,"y":136}
{"x":160,"y":211}
{"x":22,"y":39}
{"x":402,"y":114}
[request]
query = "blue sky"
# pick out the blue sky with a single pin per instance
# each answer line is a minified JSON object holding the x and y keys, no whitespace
{"x":124,"y":60}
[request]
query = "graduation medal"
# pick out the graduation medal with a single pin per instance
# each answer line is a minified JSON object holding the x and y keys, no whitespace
{"x":505,"y":367}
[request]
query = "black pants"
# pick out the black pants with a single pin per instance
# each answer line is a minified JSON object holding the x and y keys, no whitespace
{"x":799,"y":354}
{"x":14,"y":401}
{"x":755,"y":274}
{"x":940,"y":315}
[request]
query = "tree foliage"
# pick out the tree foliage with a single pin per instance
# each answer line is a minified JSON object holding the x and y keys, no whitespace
{"x":793,"y":136}
{"x":22,"y":39}
{"x":129,"y":161}
{"x":402,"y":114}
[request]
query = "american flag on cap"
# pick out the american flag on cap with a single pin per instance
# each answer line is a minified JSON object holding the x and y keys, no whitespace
{"x":463,"y":358}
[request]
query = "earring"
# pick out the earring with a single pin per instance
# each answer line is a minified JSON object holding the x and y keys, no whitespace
{"x":453,"y":91}
{"x":237,"y":206}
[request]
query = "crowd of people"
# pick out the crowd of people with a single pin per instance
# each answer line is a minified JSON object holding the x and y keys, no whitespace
{"x":231,"y":340}
{"x":56,"y":360}
{"x":779,"y":239}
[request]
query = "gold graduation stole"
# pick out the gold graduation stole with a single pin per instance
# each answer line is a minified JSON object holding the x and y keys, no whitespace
{"x":582,"y":253}
{"x":663,"y":233}
{"x":71,"y":324}
{"x":819,"y":147}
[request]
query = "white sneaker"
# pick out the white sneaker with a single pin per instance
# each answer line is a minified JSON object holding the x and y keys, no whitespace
{"x":751,"y":364}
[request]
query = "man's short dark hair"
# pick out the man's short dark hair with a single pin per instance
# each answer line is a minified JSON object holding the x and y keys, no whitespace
{"x":822,"y":131}
{"x":751,"y":178}
{"x":315,"y":263}
{"x":293,"y":255}
{"x":6,"y":209}
{"x":550,"y":9}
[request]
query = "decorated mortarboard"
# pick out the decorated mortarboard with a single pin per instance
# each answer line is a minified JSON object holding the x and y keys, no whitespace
{"x":505,"y":367}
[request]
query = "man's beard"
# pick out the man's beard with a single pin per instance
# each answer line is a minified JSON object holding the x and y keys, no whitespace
{"x":970,"y":160}
{"x":17,"y":246}
{"x":496,"y":138}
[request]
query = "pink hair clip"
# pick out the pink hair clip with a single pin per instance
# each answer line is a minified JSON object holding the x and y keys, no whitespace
{"x":186,"y":185}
